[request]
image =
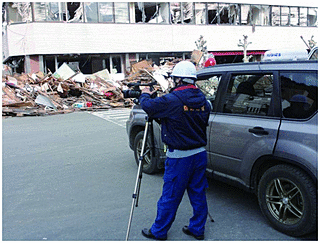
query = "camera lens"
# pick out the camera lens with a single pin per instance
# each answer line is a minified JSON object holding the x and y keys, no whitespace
{"x":131,"y":93}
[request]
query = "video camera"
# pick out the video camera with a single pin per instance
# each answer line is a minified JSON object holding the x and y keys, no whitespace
{"x":135,"y":92}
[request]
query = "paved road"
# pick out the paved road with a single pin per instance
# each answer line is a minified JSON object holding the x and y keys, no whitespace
{"x":71,"y":177}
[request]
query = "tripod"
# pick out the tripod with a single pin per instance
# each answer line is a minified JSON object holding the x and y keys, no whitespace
{"x":135,"y":195}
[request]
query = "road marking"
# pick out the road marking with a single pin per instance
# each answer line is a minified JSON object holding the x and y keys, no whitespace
{"x":116,"y":116}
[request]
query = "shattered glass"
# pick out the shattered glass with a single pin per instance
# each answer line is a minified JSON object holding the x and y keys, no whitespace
{"x":162,"y":12}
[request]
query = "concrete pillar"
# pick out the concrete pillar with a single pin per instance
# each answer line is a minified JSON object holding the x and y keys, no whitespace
{"x":27,"y":68}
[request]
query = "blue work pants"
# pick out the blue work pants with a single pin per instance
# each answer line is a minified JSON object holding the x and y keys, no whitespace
{"x":183,"y":174}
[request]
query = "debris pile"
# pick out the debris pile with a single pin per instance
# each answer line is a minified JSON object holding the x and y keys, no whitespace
{"x":66,"y":91}
{"x":61,"y":92}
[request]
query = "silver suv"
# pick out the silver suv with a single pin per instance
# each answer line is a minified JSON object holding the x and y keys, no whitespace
{"x":262,"y":137}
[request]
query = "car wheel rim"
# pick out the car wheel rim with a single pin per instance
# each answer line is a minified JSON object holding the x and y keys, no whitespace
{"x":285,"y":201}
{"x":147,"y":157}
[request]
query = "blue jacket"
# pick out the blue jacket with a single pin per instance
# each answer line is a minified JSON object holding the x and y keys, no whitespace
{"x":184,"y":115}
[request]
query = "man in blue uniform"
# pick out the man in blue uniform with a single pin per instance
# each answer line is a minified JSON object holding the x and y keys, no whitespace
{"x":184,"y":114}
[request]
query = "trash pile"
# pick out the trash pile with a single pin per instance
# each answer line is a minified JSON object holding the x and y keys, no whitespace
{"x":67,"y":91}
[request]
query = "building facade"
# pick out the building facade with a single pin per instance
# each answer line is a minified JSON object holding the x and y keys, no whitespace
{"x":91,"y":36}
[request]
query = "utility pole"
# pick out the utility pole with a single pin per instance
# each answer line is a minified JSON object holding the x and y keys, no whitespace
{"x":245,"y":44}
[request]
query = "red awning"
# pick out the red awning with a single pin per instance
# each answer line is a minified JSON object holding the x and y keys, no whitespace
{"x":236,"y":53}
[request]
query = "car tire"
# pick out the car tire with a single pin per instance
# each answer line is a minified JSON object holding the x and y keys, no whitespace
{"x":288,"y":199}
{"x":149,"y":163}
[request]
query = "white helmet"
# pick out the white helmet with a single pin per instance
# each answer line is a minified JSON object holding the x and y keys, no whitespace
{"x":185,"y":69}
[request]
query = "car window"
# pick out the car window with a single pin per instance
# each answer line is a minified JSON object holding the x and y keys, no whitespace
{"x":299,"y":94}
{"x":249,"y":94}
{"x":209,"y":87}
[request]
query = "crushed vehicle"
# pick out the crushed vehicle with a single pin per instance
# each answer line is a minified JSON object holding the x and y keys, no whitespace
{"x":262,"y":137}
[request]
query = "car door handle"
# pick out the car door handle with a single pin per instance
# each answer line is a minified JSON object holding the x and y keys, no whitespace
{"x":258,"y":131}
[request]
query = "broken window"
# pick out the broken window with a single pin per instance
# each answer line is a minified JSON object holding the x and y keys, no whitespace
{"x":260,"y":14}
{"x":187,"y":12}
{"x":105,"y":12}
{"x":121,"y":11}
{"x":223,"y":13}
{"x":303,"y":16}
{"x":275,"y":16}
{"x":75,"y":12}
{"x":265,"y":15}
{"x":19,"y":12}
{"x":234,"y":14}
{"x":164,"y":13}
{"x":158,"y":12}
{"x":213,"y":13}
{"x":182,"y":12}
{"x":151,"y":12}
{"x":246,"y":14}
{"x":51,"y":11}
{"x":312,"y":17}
{"x":91,"y":12}
{"x":175,"y":11}
{"x":285,"y":16}
{"x":39,"y":11}
{"x":55,"y":11}
{"x":140,"y":15}
{"x":200,"y":13}
{"x":294,"y":16}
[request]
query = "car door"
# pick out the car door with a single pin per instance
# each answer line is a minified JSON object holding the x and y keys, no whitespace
{"x":245,"y":125}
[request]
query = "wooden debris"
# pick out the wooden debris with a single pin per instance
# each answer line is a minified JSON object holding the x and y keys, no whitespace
{"x":99,"y":91}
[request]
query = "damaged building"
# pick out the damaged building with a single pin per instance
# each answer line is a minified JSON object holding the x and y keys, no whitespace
{"x":93,"y":36}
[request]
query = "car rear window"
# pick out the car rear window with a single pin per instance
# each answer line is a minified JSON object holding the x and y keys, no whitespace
{"x":299,"y":94}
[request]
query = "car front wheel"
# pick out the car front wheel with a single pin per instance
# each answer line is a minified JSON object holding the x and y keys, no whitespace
{"x":149,"y":163}
{"x":288,"y":199}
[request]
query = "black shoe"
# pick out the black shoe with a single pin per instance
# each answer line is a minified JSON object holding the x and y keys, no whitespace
{"x":186,"y":230}
{"x":147,"y":233}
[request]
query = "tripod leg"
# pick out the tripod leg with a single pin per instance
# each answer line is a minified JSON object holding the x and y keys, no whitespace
{"x":135,"y":195}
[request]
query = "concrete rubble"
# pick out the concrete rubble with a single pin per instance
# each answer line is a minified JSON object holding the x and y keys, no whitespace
{"x":66,"y":91}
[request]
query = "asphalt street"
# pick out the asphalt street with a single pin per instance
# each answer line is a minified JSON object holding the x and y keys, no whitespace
{"x":71,"y":177}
